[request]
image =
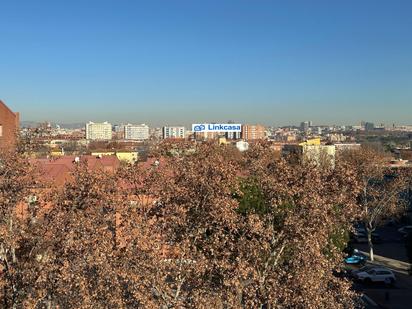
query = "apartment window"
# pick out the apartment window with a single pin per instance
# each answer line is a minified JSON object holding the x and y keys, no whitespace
{"x":1,"y":130}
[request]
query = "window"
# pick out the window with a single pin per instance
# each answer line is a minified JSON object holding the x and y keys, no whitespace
{"x":1,"y":130}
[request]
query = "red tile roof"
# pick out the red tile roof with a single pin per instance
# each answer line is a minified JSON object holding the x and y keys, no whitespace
{"x":58,"y":170}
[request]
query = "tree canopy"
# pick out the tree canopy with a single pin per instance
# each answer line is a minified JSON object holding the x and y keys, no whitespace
{"x":200,"y":229}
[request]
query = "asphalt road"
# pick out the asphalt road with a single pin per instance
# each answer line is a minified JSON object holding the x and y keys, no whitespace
{"x":398,"y":296}
{"x":392,"y":245}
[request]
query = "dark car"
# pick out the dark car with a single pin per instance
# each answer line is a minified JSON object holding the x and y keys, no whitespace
{"x":362,"y":237}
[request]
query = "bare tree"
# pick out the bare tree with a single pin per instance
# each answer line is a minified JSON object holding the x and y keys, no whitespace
{"x":81,"y":260}
{"x":303,"y":207}
{"x":17,"y":247}
{"x":216,"y":252}
{"x":188,"y":233}
{"x":382,"y":185}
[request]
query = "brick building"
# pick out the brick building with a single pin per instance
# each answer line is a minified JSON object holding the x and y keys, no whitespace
{"x":253,"y":132}
{"x":9,"y":125}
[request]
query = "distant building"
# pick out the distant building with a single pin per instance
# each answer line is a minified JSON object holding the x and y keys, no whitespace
{"x":98,"y":131}
{"x":304,"y":126}
{"x":290,"y":138}
{"x":122,"y":155}
{"x":343,"y":147}
{"x":369,"y":126}
{"x":242,"y":145}
{"x":336,"y":137}
{"x":253,"y":132}
{"x":173,"y":132}
{"x":311,"y":142}
{"x":9,"y":126}
{"x":207,"y":135}
{"x":118,"y":128}
{"x":310,"y":151}
{"x":233,"y":135}
{"x":319,"y":153}
{"x":156,"y":133}
{"x":136,"y":132}
{"x":356,"y":128}
{"x":223,"y":141}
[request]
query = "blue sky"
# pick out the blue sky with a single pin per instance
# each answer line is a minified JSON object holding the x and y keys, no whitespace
{"x":181,"y":61}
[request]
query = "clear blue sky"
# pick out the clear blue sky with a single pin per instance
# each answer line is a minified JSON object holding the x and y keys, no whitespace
{"x":175,"y":61}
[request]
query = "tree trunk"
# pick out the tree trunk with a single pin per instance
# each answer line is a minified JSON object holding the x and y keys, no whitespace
{"x":49,"y":302}
{"x":370,"y":243}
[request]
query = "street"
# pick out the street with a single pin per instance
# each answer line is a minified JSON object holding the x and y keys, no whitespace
{"x":392,"y":254}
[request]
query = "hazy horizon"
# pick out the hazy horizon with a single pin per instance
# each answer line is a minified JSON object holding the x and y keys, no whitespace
{"x":183,"y":62}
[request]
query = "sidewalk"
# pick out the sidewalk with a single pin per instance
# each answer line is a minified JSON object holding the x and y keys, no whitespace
{"x":399,"y":266}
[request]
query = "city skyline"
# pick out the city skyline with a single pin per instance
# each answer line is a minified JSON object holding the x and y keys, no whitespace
{"x":189,"y":125}
{"x":185,"y":62}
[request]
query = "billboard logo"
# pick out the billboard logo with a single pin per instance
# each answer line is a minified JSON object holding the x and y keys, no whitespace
{"x":216,"y":127}
{"x":199,"y":128}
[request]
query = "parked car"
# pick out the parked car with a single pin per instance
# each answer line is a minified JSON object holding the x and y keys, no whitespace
{"x":376,"y":274}
{"x":405,"y":230}
{"x":354,"y":272}
{"x":391,"y":222}
{"x":362,"y":237}
{"x":360,"y":227}
{"x":359,"y":237}
{"x":357,"y":258}
{"x":376,"y":238}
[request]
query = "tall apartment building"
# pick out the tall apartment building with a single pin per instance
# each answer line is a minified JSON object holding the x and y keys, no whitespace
{"x":233,"y":135}
{"x":9,"y":126}
{"x":136,"y":132}
{"x":305,"y":125}
{"x":99,"y":131}
{"x":369,"y":126}
{"x":253,"y":132}
{"x":173,"y":132}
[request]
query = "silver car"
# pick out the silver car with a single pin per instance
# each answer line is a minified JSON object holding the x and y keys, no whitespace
{"x":376,"y":274}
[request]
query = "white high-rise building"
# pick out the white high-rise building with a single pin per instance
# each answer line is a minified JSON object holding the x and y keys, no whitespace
{"x":136,"y":132}
{"x":98,"y":131}
{"x":173,"y":132}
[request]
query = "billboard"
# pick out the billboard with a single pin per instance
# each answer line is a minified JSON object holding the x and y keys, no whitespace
{"x":216,"y":127}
